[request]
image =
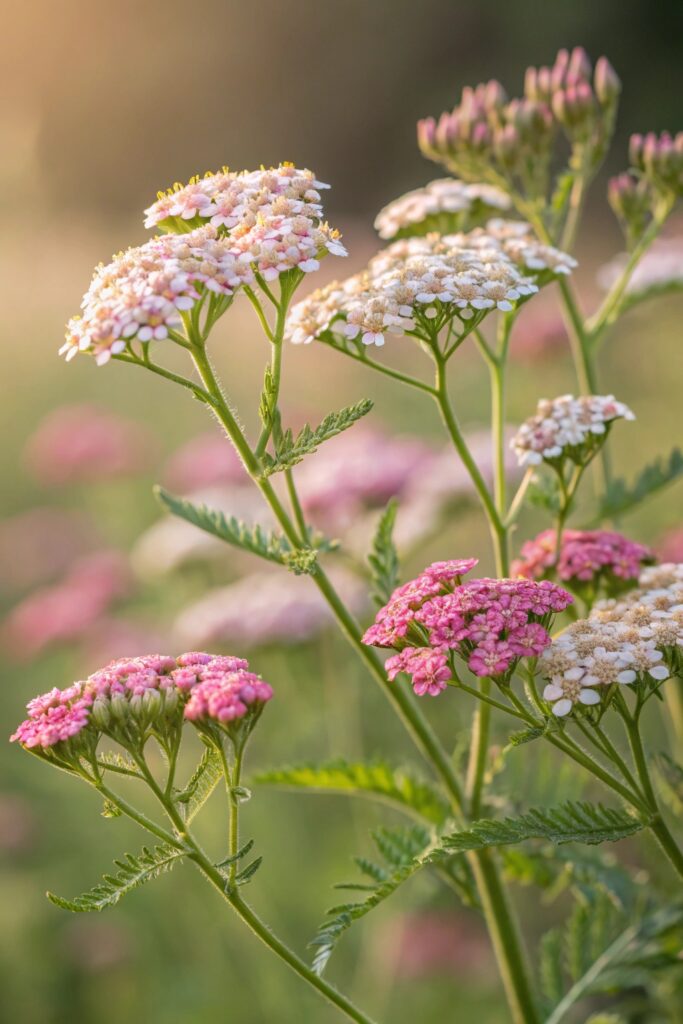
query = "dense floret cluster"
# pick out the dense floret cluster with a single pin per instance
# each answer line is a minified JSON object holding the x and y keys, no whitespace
{"x":439,"y":206}
{"x":224,"y":230}
{"x":489,"y":624}
{"x":132,"y":697}
{"x":586,"y":556}
{"x":567,"y":427}
{"x":422,"y":284}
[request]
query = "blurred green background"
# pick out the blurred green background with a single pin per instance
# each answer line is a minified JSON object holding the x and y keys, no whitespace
{"x":102,"y":104}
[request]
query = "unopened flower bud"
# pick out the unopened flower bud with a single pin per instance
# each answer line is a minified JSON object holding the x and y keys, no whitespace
{"x":506,"y":144}
{"x":579,"y":63}
{"x":559,"y":70}
{"x":635,"y":151}
{"x":531,"y":83}
{"x":494,"y":96}
{"x":119,"y":707}
{"x":426,"y":134}
{"x":606,"y":81}
{"x":151,"y":703}
{"x":100,"y":714}
{"x":171,"y":702}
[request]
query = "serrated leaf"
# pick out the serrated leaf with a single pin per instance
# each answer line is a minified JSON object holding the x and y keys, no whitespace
{"x":111,"y":810}
{"x":291,"y":450}
{"x":550,"y":967}
{"x":268,"y":399}
{"x":669,"y":775}
{"x":248,"y":873}
{"x":407,"y":850}
{"x":122,"y":764}
{"x":133,"y":872}
{"x":383,"y":558}
{"x":377,"y":779}
{"x":622,"y":497}
{"x":570,"y":822}
{"x":518,"y":739}
{"x":242,"y":852}
{"x":201,"y":785}
{"x":267,"y":544}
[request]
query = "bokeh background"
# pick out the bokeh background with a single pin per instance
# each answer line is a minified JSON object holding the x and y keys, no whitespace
{"x":101,"y":105}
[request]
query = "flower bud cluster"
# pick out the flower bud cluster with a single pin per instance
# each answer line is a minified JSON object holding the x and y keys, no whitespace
{"x":421,"y":284}
{"x":602,"y":559}
{"x":567,"y":428}
{"x":224,"y":230}
{"x":489,"y":624}
{"x":489,"y":138}
{"x":636,"y":640}
{"x":133,"y":698}
{"x":655,"y":177}
{"x":445,"y":205}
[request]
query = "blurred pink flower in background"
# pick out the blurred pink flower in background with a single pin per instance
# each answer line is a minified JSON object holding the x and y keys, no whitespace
{"x":40,"y":544}
{"x":204,"y":461}
{"x":669,"y":548}
{"x":427,"y":943}
{"x":660,"y":268}
{"x":111,"y":638}
{"x":66,"y":611}
{"x":265,"y":608}
{"x":78,"y":443}
{"x":358,"y":469}
{"x":539,"y":332}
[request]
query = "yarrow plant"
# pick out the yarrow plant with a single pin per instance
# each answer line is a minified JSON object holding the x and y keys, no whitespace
{"x":509,"y":646}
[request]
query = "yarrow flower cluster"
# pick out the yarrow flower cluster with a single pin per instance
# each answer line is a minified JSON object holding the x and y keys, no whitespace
{"x":442,"y":205}
{"x":225,"y":229}
{"x":132,"y":698}
{"x":434,"y":279}
{"x":487,"y":135}
{"x":490,"y":624}
{"x":598,"y":557}
{"x":567,"y":427}
{"x":637,"y":639}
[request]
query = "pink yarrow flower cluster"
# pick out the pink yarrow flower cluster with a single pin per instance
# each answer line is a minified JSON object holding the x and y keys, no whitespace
{"x":490,"y":624}
{"x":567,"y":427}
{"x":224,"y":229}
{"x":586,"y":556}
{"x":148,"y":691}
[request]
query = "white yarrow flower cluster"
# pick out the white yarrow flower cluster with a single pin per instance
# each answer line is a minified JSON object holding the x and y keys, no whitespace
{"x":434,"y":207}
{"x":625,"y":641}
{"x":418,"y":279}
{"x":566,"y":426}
{"x":224,"y":230}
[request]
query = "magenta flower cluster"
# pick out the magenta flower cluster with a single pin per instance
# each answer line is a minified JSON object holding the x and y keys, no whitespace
{"x":490,"y":624}
{"x":151,"y":688}
{"x":586,"y":556}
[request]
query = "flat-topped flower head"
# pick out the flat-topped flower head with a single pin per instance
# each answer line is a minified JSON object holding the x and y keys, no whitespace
{"x":488,"y":624}
{"x":567,"y":427}
{"x":602,"y":559}
{"x":222,"y":232}
{"x":444,"y":205}
{"x":420,"y":285}
{"x":131,"y":699}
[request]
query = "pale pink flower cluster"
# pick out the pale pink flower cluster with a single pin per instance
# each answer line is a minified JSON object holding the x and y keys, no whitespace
{"x":40,"y":544}
{"x":670,"y":546}
{"x":586,"y":556}
{"x":150,"y":687}
{"x":266,"y":608}
{"x":204,"y":461}
{"x":67,"y":610}
{"x":419,"y":279}
{"x":77,"y":443}
{"x":273,"y":216}
{"x":635,"y":639}
{"x":232,"y":226}
{"x":488,"y":623}
{"x":437,"y":207}
{"x":567,"y":426}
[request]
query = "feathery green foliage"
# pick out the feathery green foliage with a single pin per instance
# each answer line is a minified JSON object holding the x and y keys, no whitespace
{"x":622,"y":497}
{"x":383,"y":558}
{"x":133,"y":871}
{"x":290,"y":449}
{"x":200,"y":786}
{"x":377,"y":779}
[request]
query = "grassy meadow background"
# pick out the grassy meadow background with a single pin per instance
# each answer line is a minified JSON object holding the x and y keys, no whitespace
{"x":103,"y":104}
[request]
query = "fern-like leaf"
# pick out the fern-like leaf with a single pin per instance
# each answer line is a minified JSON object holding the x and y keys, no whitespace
{"x":570,"y":822}
{"x":383,"y":558}
{"x":669,"y":775}
{"x":290,"y":450}
{"x":201,"y":785}
{"x":265,"y":543}
{"x":404,"y":850}
{"x":133,"y":872}
{"x":378,"y":780}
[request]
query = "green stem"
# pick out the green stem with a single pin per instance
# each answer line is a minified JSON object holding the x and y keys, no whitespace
{"x":496,"y":527}
{"x":476,"y":770}
{"x":299,"y":517}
